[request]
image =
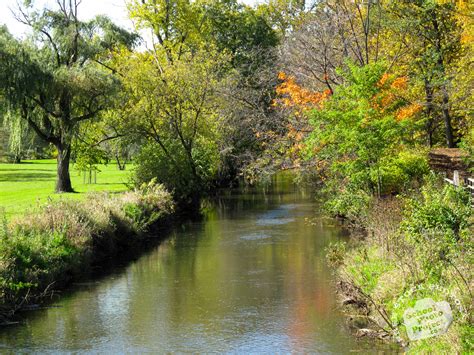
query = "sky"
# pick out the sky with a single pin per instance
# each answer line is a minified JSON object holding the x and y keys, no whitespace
{"x":114,"y":9}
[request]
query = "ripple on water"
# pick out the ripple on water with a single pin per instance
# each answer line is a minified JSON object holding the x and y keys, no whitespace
{"x":255,"y":236}
{"x":277,"y":216}
{"x":273,"y":221}
{"x":288,"y":206}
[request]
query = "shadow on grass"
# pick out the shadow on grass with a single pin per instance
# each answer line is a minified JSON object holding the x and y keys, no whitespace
{"x":24,"y":177}
{"x":42,"y":162}
{"x":105,"y":183}
{"x":28,"y":170}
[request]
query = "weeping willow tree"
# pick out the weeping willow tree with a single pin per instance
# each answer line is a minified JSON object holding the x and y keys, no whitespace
{"x":18,"y":129}
{"x":60,"y":77}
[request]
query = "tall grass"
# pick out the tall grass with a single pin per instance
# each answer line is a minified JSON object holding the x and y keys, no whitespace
{"x":66,"y":237}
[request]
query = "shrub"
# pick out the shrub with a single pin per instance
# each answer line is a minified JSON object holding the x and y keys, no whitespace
{"x":349,"y":204}
{"x":187,"y":177}
{"x":414,"y":164}
{"x":400,"y":173}
{"x":437,"y":224}
{"x":443,"y":209}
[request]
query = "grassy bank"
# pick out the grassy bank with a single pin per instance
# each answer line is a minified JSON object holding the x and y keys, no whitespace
{"x":414,"y":247}
{"x":47,"y":249}
{"x":24,"y":186}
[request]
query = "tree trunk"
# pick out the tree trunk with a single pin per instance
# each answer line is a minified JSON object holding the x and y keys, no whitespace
{"x":120,"y":166}
{"x":447,"y":119}
{"x":445,"y":102}
{"x":429,"y":112}
{"x":63,"y":182}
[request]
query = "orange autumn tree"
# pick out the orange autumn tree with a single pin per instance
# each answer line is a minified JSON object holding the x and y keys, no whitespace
{"x":282,"y":145}
{"x":291,"y":94}
{"x":296,"y":100}
{"x":394,"y":97}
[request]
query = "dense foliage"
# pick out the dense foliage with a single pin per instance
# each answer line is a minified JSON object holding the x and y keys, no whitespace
{"x":360,"y":139}
{"x":59,"y":78}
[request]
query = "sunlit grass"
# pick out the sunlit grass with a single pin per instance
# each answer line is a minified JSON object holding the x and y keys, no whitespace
{"x":25,"y":186}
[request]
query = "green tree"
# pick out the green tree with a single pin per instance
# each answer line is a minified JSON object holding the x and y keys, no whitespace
{"x":241,"y":31}
{"x":180,"y":26}
{"x":172,"y":107}
{"x":284,"y":15}
{"x":359,"y":136}
{"x":174,"y":90}
{"x":59,"y":77}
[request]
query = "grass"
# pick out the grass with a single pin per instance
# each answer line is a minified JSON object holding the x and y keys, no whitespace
{"x":27,"y":185}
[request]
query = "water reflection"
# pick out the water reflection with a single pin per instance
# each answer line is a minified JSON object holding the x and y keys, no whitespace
{"x":250,"y":277}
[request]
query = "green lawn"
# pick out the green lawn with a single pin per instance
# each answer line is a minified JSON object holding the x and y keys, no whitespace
{"x":26,"y":185}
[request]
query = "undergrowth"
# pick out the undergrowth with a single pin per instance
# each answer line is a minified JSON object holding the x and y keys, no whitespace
{"x":416,"y":247}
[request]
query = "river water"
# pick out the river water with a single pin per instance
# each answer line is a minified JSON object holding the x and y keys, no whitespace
{"x":251,"y":276}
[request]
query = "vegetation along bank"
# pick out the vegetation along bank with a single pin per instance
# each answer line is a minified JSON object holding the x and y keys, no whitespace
{"x":45,"y":250}
{"x":410,"y":248}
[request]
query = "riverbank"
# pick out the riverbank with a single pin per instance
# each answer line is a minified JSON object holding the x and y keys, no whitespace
{"x":45,"y":250}
{"x":413,"y":248}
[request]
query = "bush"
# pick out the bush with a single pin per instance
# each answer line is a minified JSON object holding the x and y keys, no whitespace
{"x":400,"y":173}
{"x":437,"y":224}
{"x":414,"y":164}
{"x":348,"y":204}
{"x":177,"y":174}
{"x":394,"y":175}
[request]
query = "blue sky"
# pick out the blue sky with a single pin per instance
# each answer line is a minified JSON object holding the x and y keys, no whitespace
{"x":115,"y":9}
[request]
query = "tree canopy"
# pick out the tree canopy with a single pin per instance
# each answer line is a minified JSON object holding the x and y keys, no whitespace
{"x":59,"y":77}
